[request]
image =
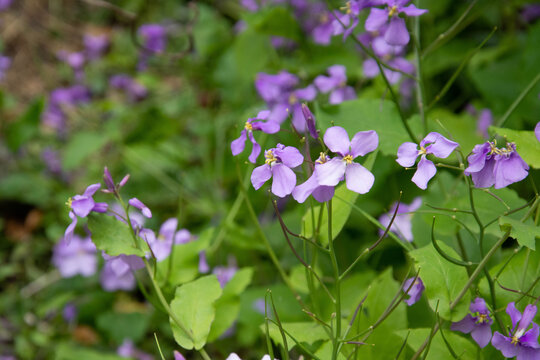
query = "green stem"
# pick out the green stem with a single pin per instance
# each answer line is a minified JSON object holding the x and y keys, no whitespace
{"x":420,"y":98}
{"x":337,"y":279}
{"x":518,"y":101}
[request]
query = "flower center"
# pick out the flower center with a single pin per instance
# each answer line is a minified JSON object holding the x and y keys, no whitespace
{"x":248,"y":126}
{"x":482,"y":318}
{"x":346,"y":8}
{"x":321,"y":159}
{"x":515,"y":340}
{"x":323,"y":19}
{"x":69,"y":202}
{"x":392,"y":11}
{"x":293,"y":99}
{"x":509,"y":149}
{"x":422,"y":150}
{"x":348,"y":159}
{"x":270,"y":158}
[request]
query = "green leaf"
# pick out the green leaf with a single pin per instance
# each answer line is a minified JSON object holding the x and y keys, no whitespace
{"x":228,"y":305}
{"x":80,"y":146}
{"x":275,"y":21}
{"x":193,"y":305}
{"x":525,"y":233}
{"x":443,"y":281}
{"x":438,"y":350}
{"x":252,"y":52}
{"x":66,"y":351}
{"x":341,"y":209}
{"x":113,"y":236}
{"x":368,"y":114}
{"x":303,"y":332}
{"x":24,"y":128}
{"x":121,"y":326}
{"x":527,"y":145}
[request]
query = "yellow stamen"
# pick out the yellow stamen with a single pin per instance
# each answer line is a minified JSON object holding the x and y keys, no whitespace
{"x":482,"y":318}
{"x":393,"y":10}
{"x":422,"y":150}
{"x":321,"y":159}
{"x":515,"y":340}
{"x":293,"y":99}
{"x":349,"y":159}
{"x":248,"y":126}
{"x":270,"y":158}
{"x":69,"y":202}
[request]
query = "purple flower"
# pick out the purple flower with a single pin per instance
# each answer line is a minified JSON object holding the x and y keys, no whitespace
{"x":154,"y":37}
{"x":69,"y":313}
{"x":132,"y":88}
{"x":489,"y":165}
{"x":520,"y":343}
{"x":136,"y":203}
{"x":278,"y":164}
{"x":178,"y":356}
{"x":52,"y":161}
{"x":415,"y":291}
{"x":75,"y":257}
{"x":203,"y":263}
{"x":402,"y":225}
{"x":335,"y":84}
{"x":357,"y":177}
{"x":254,"y":124}
{"x":537,"y":131}
{"x":311,"y":186}
{"x":434,"y":143}
{"x":530,"y":12}
{"x":350,"y":18}
{"x":4,"y":4}
{"x":323,"y":31}
{"x":225,"y":273}
{"x":310,"y":121}
{"x":162,"y":244}
{"x":61,"y":100}
{"x":117,"y":272}
{"x":128,"y":350}
{"x":95,"y":46}
{"x":478,"y":323}
{"x":393,"y":55}
{"x":397,"y":33}
{"x":183,"y":236}
{"x":5,"y":63}
{"x":81,"y":206}
{"x":109,"y":182}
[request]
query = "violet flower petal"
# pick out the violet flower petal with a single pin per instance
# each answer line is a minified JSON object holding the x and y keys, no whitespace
{"x":284,"y":180}
{"x":504,"y":345}
{"x":397,"y":33}
{"x":364,"y":142}
{"x":537,"y":131}
{"x":238,"y":145}
{"x":290,"y":156}
{"x":509,"y":169}
{"x":82,"y":205}
{"x":514,"y":314}
{"x":465,"y":325}
{"x":485,"y":177}
{"x":91,"y":190}
{"x":479,"y":305}
{"x":407,"y":154}
{"x":440,"y":146}
{"x":255,"y":151}
{"x":530,"y":338}
{"x":482,"y":334}
{"x":527,"y":317}
{"x":337,"y":140}
{"x":260,"y":175}
{"x":136,"y":203}
{"x":331,"y":172}
{"x":68,"y":234}
{"x":412,"y":10}
{"x":358,"y":178}
{"x":376,"y":19}
{"x":323,"y":193}
{"x":425,"y":171}
{"x":302,"y":191}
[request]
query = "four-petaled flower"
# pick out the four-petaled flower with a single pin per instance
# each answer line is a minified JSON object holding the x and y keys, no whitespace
{"x":81,"y":206}
{"x":335,"y":84}
{"x":434,"y":143}
{"x":520,"y":343}
{"x":254,"y":124}
{"x":278,"y":164}
{"x":311,"y":186}
{"x":397,"y":33}
{"x":478,"y":324}
{"x":357,"y":177}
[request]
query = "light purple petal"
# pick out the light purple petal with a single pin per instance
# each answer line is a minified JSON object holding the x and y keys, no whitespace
{"x":290,"y":156}
{"x":514,"y":314}
{"x":82,"y":205}
{"x":482,"y":334}
{"x":68,"y":234}
{"x":504,"y":345}
{"x":302,"y":191}
{"x":358,"y":178}
{"x":528,"y":354}
{"x":256,"y":149}
{"x":178,"y":356}
{"x":136,"y":203}
{"x":397,"y":33}
{"x":268,"y":127}
{"x":509,"y":169}
{"x":279,"y":113}
{"x":479,"y":305}
{"x":485,"y":177}
{"x":284,"y":180}
{"x":425,"y":171}
{"x":238,"y":145}
{"x":331,"y":172}
{"x":325,"y":83}
{"x":528,"y":316}
{"x":465,"y":325}
{"x":364,"y":142}
{"x":412,"y":10}
{"x":530,"y":338}
{"x":91,"y":190}
{"x":407,"y":154}
{"x":338,"y":72}
{"x":537,"y":131}
{"x":298,"y":120}
{"x":168,"y":228}
{"x":323,"y":193}
{"x":308,"y":93}
{"x":337,"y":140}
{"x":440,"y":146}
{"x":370,"y":68}
{"x":376,"y":19}
{"x":260,"y":175}
{"x":477,"y":159}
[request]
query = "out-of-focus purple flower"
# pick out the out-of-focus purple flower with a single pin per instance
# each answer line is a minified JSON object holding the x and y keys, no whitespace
{"x":257,"y":123}
{"x":5,"y":63}
{"x":225,"y":273}
{"x":415,"y":291}
{"x":4,"y":4}
{"x":69,"y":313}
{"x":484,"y":122}
{"x":162,"y":244}
{"x":77,"y":257}
{"x":234,"y":356}
{"x":117,"y":273}
{"x":178,"y":356}
{"x":279,"y":162}
{"x":357,"y":177}
{"x":95,"y":46}
{"x":62,"y":100}
{"x":498,"y":167}
{"x":203,"y":263}
{"x":183,"y":236}
{"x":138,"y":204}
{"x":393,"y":55}
{"x":537,"y":131}
{"x":310,"y":121}
{"x":520,"y":342}
{"x":250,"y":5}
{"x":282,"y":98}
{"x":132,"y":88}
{"x":434,"y":143}
{"x":311,"y":186}
{"x":402,"y":225}
{"x":530,"y":12}
{"x":81,"y":206}
{"x":335,"y":84}
{"x":478,"y":324}
{"x":128,"y":350}
{"x":280,"y":42}
{"x":324,"y":30}
{"x":154,"y":37}
{"x":350,"y":18}
{"x":52,"y":161}
{"x":397,"y":33}
{"x":76,"y":61}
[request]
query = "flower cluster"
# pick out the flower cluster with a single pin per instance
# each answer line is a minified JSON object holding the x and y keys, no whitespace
{"x":493,"y":166}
